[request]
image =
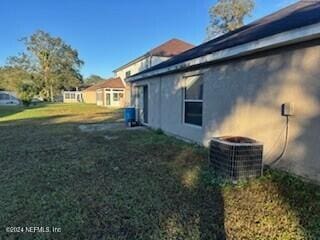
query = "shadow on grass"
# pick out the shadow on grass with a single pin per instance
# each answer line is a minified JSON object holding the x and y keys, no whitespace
{"x":302,"y":197}
{"x":95,"y":189}
{"x":35,"y":120}
{"x":167,"y":178}
{"x":140,"y":185}
{"x":6,"y":111}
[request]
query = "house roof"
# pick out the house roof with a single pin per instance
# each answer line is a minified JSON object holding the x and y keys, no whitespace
{"x":109,"y":83}
{"x":295,"y":16}
{"x":93,"y":87}
{"x":170,"y":48}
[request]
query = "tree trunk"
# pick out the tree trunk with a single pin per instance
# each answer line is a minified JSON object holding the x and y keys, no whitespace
{"x":51,"y":93}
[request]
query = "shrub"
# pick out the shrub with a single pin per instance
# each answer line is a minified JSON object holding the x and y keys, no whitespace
{"x":26,"y":92}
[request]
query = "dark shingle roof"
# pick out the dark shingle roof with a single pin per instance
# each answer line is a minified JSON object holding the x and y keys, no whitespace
{"x":300,"y":14}
{"x":171,"y":48}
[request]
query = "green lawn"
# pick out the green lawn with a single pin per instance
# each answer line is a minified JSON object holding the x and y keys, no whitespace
{"x":139,"y":185}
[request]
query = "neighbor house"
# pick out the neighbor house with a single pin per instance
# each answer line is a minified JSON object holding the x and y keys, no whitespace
{"x":111,"y":93}
{"x":236,"y":85}
{"x":115,"y":92}
{"x":8,"y":98}
{"x":72,"y":96}
{"x":151,"y":58}
{"x":89,"y":94}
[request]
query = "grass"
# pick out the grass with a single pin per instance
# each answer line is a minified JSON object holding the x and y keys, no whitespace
{"x":140,"y":185}
{"x":57,"y":113}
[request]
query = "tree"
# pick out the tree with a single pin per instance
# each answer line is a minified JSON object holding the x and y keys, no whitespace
{"x":26,"y":91}
{"x":228,"y":15}
{"x":12,"y":77}
{"x":92,"y":79}
{"x":53,"y":64}
{"x":18,"y":80}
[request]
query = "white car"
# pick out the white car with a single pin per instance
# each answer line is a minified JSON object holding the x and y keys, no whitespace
{"x":8,"y":98}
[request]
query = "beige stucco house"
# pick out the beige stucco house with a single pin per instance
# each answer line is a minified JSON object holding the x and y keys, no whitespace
{"x":89,"y":94}
{"x":236,"y":85}
{"x":111,"y":93}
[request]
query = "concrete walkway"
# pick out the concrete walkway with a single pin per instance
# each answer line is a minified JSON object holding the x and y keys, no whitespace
{"x":108,"y":126}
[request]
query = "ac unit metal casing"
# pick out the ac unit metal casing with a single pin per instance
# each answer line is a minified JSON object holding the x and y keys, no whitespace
{"x":236,"y":160}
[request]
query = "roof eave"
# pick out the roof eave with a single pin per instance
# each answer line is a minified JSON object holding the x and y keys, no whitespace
{"x":282,"y":39}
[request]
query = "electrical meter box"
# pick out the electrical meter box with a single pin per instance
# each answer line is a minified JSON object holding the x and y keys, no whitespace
{"x":287,"y":109}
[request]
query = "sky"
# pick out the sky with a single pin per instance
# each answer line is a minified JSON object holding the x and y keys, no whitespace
{"x":110,"y":33}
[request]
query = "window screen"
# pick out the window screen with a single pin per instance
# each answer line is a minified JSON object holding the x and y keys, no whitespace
{"x":193,"y":100}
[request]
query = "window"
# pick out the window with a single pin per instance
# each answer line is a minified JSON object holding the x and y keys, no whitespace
{"x":99,"y":95}
{"x":128,"y":74}
{"x":108,"y":101}
{"x":115,"y":97}
{"x":73,"y":96}
{"x":67,"y":95}
{"x":193,"y":100}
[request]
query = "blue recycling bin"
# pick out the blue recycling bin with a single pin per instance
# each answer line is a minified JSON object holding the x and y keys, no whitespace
{"x":129,"y":115}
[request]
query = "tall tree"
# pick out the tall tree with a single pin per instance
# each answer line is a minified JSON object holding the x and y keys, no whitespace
{"x":53,"y":63}
{"x":228,"y":15}
{"x":92,"y":79}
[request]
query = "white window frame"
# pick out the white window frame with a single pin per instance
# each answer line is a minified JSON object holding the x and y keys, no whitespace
{"x":112,"y":91}
{"x":184,"y":100}
{"x":117,"y":99}
{"x":99,"y":93}
{"x":67,"y":96}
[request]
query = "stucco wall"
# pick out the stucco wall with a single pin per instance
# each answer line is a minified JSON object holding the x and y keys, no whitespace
{"x":89,"y":96}
{"x":243,"y":97}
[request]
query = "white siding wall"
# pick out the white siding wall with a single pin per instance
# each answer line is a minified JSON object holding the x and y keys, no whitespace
{"x":139,"y":66}
{"x":136,"y":67}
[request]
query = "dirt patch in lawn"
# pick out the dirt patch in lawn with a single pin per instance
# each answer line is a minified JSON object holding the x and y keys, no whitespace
{"x":88,"y":128}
